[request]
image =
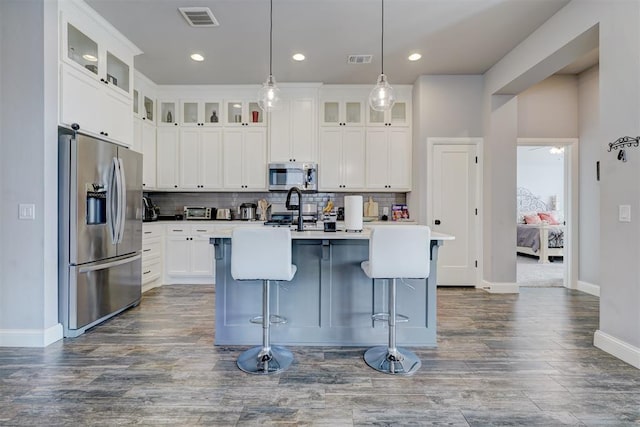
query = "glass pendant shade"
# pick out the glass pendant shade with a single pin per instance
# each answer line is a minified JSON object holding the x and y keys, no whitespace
{"x":382,"y":96}
{"x":269,"y":96}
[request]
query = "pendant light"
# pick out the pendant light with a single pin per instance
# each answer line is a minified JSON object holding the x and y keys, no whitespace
{"x":382,"y":97}
{"x":269,"y":95}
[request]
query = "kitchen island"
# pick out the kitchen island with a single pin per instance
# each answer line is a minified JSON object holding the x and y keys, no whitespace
{"x":329,"y":301}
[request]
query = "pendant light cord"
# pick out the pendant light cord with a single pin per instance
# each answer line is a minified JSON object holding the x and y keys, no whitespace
{"x":271,"y":37}
{"x":382,"y":42}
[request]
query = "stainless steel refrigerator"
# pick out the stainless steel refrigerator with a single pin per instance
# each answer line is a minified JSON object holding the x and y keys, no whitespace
{"x":100,"y":231}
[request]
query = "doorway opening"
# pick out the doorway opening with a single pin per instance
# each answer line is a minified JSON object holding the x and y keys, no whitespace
{"x":544,"y":203}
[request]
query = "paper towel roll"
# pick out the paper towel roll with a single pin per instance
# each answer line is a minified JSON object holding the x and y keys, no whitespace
{"x":353,"y":213}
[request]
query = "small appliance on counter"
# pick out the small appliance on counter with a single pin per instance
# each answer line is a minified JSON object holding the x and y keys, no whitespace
{"x":279,"y":216}
{"x":199,"y":212}
{"x":223,"y":214}
{"x":150,"y":212}
{"x":247,"y":211}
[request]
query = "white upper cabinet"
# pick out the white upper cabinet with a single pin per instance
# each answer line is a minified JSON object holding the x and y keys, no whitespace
{"x":243,"y":112}
{"x":167,"y":113}
{"x":245,"y":159}
{"x":96,"y":74}
{"x":293,"y":128}
{"x":204,"y":113}
{"x":397,"y":116}
{"x":342,"y":105}
{"x":388,"y":159}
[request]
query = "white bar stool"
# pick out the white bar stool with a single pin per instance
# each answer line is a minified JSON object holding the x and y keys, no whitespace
{"x":263,"y":253}
{"x":400,"y":251}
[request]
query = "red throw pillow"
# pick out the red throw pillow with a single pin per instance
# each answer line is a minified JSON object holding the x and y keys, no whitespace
{"x":546,"y":216}
{"x":532,"y":219}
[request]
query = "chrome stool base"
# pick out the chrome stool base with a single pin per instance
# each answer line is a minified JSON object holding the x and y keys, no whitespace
{"x":256,"y":361}
{"x":401,"y":362}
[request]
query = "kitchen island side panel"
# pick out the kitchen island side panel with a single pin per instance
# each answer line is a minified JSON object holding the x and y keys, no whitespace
{"x":329,"y":302}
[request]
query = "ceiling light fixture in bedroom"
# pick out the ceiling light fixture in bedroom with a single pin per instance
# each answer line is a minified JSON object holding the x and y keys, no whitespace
{"x":556,"y":150}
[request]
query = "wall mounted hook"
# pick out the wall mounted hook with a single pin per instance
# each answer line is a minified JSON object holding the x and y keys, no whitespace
{"x":620,"y":143}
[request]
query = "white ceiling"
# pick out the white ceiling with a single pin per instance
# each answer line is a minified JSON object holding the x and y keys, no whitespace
{"x":453,"y":36}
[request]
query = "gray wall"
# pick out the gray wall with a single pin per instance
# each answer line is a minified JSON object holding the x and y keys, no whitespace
{"x":590,"y":153}
{"x":558,"y":42}
{"x":549,"y":109}
{"x":28,"y":165}
{"x":443,"y":106}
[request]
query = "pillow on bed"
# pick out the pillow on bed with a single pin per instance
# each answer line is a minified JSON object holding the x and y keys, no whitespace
{"x":522,"y":214}
{"x":532,"y":219}
{"x":548,"y":217}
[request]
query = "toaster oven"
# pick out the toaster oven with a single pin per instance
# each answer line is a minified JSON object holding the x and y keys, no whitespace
{"x":197,"y":212}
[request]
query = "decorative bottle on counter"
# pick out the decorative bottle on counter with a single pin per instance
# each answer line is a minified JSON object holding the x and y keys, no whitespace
{"x":214,"y":117}
{"x":169,"y":117}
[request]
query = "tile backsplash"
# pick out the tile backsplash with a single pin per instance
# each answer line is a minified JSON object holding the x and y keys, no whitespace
{"x":171,"y":203}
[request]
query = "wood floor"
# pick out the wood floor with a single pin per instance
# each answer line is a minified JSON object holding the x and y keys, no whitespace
{"x":524,"y":359}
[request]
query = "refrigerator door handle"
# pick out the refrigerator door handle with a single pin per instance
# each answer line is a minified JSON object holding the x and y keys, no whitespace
{"x":123,"y":200}
{"x":104,"y":266}
{"x":113,"y":201}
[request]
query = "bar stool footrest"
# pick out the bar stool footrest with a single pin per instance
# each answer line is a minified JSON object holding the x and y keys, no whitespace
{"x":384,"y":317}
{"x":275,"y":319}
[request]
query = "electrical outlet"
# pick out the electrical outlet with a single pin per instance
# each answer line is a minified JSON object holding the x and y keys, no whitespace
{"x":624,"y":213}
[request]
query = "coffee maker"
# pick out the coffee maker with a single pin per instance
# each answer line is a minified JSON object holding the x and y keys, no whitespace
{"x":149,"y":210}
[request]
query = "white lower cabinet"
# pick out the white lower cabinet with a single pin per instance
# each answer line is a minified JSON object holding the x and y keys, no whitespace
{"x":188,"y":255}
{"x":151,"y":255}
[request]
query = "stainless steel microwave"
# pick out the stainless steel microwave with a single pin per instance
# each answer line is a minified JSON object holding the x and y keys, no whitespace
{"x":283,"y":176}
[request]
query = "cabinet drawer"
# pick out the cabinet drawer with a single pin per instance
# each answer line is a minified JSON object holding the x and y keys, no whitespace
{"x":151,"y":249}
{"x":151,"y":230}
{"x":151,"y":271}
{"x":202,"y":229}
{"x":178,"y":230}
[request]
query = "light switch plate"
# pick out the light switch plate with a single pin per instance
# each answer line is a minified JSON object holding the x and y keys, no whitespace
{"x":26,"y":211}
{"x":624,"y":213}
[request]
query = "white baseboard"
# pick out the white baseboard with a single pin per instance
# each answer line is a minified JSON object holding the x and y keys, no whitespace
{"x":500,"y":288}
{"x":617,"y":348}
{"x":588,"y":288}
{"x":30,"y":337}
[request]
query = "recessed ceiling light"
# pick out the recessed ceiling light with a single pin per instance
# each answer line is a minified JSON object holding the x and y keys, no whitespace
{"x":298,"y":57}
{"x":414,"y":57}
{"x":89,"y":57}
{"x":197,"y":57}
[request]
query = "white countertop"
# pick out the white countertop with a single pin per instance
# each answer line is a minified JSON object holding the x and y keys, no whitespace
{"x":225,"y":233}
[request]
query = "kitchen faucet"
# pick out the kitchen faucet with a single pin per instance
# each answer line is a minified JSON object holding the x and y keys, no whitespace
{"x":294,"y":207}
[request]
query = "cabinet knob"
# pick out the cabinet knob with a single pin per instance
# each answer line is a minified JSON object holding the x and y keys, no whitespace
{"x":175,"y":186}
{"x":437,"y":222}
{"x":175,"y":124}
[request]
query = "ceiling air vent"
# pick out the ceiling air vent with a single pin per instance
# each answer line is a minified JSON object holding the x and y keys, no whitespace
{"x":359,"y":59}
{"x":199,"y":16}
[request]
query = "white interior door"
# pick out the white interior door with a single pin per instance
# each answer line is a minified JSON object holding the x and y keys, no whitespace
{"x":454,"y":202}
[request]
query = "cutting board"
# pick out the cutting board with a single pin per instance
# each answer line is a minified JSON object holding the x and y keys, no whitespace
{"x":371,"y":208}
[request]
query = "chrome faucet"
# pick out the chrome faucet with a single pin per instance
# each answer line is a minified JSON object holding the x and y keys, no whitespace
{"x":295,"y":207}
